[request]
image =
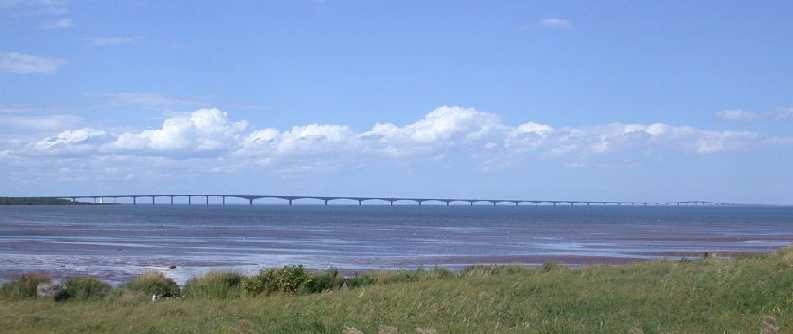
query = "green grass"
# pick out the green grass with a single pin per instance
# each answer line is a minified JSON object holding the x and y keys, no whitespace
{"x":746,"y":295}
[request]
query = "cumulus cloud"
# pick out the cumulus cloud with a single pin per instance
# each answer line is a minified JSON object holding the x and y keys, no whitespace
{"x":556,"y":23}
{"x":202,"y":130}
{"x":445,"y":131}
{"x":15,"y":62}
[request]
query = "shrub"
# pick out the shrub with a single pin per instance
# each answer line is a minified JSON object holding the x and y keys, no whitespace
{"x":154,"y":283}
{"x":288,"y":280}
{"x":214,"y":285}
{"x":24,"y":286}
{"x":84,"y":288}
{"x":324,"y":281}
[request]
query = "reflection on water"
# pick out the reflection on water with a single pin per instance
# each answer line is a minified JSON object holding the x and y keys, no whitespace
{"x":116,"y":242}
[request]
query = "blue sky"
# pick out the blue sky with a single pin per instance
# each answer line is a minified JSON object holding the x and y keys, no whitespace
{"x":581,"y":100}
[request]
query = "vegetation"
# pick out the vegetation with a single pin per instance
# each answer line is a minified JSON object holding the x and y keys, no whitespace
{"x":214,"y":285}
{"x":33,"y":201}
{"x":746,"y":295}
{"x":153,"y":283}
{"x":84,"y":288}
{"x":24,"y":286}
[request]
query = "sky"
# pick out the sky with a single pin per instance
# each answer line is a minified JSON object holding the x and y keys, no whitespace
{"x":568,"y":100}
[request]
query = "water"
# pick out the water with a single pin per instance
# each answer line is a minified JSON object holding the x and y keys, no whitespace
{"x":116,"y":242}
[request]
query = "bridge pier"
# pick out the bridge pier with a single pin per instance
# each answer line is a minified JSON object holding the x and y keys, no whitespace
{"x":250,"y":201}
{"x":447,"y":203}
{"x":152,"y":200}
{"x":360,"y":202}
{"x":207,"y":200}
{"x":290,"y":202}
{"x":326,"y":202}
{"x":391,"y":203}
{"x":189,"y":200}
{"x":223,"y":199}
{"x":171,"y":199}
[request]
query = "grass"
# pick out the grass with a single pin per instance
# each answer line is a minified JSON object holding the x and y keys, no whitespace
{"x":746,"y":295}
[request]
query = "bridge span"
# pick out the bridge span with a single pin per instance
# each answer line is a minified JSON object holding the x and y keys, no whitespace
{"x":290,"y":199}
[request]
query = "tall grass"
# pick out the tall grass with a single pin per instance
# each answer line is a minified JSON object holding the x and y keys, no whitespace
{"x":153,"y":283}
{"x":214,"y":285}
{"x":746,"y":295}
{"x":23,"y":286}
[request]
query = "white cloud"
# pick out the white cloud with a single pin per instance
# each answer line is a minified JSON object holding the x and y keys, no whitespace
{"x":202,"y":130}
{"x":556,"y":23}
{"x":15,"y":62}
{"x":70,"y":141}
{"x":109,"y":40}
{"x":444,"y":126}
{"x":737,"y":115}
{"x":62,"y":23}
{"x":447,"y":131}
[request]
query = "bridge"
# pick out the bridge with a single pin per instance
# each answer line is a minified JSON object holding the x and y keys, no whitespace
{"x":290,"y":199}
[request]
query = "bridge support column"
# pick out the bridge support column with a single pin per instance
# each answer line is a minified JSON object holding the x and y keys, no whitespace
{"x":171,"y":199}
{"x":207,"y":200}
{"x":189,"y":200}
{"x":134,"y":200}
{"x":494,"y":203}
{"x":152,"y":200}
{"x":223,"y":199}
{"x":360,"y":202}
{"x":516,"y":203}
{"x":391,"y":203}
{"x":326,"y":202}
{"x":447,"y":203}
{"x":471,"y":203}
{"x":290,"y":202}
{"x":250,"y":201}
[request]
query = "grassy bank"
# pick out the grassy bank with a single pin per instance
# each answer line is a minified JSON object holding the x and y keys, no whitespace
{"x":746,"y":295}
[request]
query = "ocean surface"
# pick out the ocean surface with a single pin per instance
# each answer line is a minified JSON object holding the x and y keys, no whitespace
{"x":116,"y":242}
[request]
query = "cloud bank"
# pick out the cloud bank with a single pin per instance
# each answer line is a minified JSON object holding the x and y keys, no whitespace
{"x":448,"y":130}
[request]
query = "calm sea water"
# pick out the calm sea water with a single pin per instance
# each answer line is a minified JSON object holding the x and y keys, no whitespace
{"x":116,"y":242}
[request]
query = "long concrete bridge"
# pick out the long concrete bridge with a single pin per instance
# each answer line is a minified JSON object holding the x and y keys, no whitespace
{"x":290,"y":199}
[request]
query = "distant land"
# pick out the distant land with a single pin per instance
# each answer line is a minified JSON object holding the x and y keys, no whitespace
{"x":34,"y":201}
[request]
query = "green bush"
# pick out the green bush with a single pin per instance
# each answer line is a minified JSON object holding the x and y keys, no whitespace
{"x":214,"y":285}
{"x":84,"y":288}
{"x":154,"y":283}
{"x":324,"y":281}
{"x":24,"y":286}
{"x":289,"y":280}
